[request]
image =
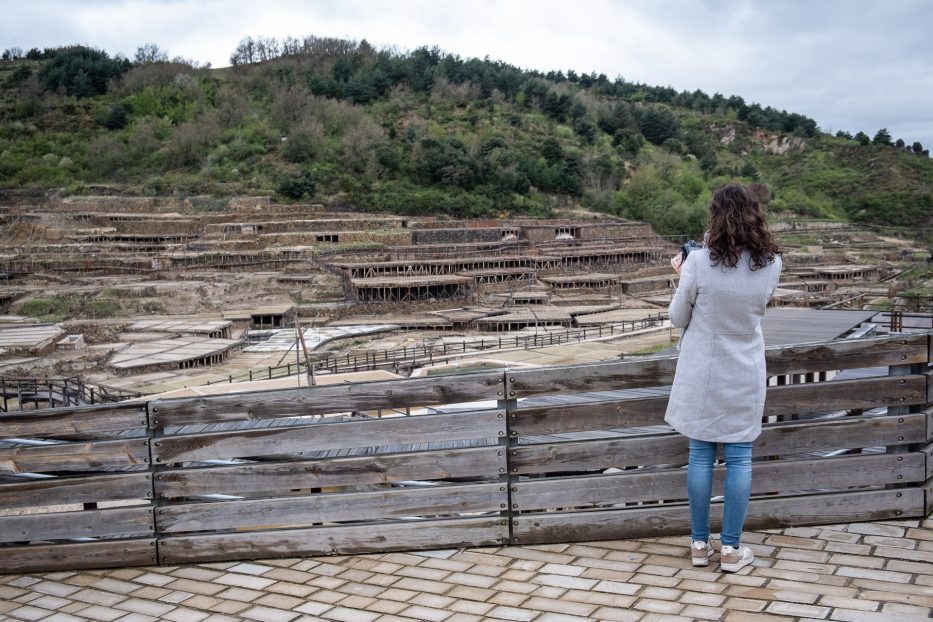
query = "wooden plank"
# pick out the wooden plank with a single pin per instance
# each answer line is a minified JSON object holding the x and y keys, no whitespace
{"x":646,"y":372}
{"x":318,"y":437}
{"x":52,"y":422}
{"x":847,"y":354}
{"x":655,"y":371}
{"x":670,"y":484}
{"x":604,"y":415}
{"x":598,"y":454}
{"x":928,"y":456}
{"x":775,"y":439}
{"x":360,"y":396}
{"x":349,"y":539}
{"x":62,"y":490}
{"x":674,"y":519}
{"x":104,"y":554}
{"x":90,"y":456}
{"x":864,"y":393}
{"x":333,"y":507}
{"x":278,"y":478}
{"x":114,"y":522}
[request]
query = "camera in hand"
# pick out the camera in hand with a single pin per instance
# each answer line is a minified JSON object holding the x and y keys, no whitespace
{"x":688,"y":247}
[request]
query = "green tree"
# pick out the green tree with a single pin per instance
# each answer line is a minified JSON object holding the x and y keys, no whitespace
{"x":81,"y":71}
{"x":862,"y":138}
{"x":917,"y":147}
{"x":658,"y":124}
{"x":882,"y":137}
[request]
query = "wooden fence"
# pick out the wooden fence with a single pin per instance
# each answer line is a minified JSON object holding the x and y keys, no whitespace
{"x":547,"y":455}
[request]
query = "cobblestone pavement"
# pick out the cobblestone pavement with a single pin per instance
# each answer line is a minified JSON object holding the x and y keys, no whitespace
{"x":860,"y":572}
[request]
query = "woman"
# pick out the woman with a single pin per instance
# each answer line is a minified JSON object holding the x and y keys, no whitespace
{"x":719,"y":387}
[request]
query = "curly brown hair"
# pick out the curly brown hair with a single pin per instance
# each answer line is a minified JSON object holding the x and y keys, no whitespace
{"x":737,"y":224}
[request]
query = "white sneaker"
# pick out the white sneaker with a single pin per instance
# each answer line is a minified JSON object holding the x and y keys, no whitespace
{"x":700,"y":552}
{"x":732,"y":559}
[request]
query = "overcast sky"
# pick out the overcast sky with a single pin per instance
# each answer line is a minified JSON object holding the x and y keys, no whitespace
{"x":849,"y":64}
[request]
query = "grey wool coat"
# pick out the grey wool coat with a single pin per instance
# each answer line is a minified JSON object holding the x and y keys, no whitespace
{"x":719,"y":385}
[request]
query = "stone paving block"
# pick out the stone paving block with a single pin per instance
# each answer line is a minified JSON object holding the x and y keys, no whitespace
{"x":797,"y":543}
{"x":617,"y":587}
{"x":547,"y":591}
{"x":250,"y":582}
{"x":177,"y":597}
{"x":49,"y":602}
{"x":343,"y":614}
{"x":146,"y":607}
{"x":862,"y":561}
{"x":291,"y":589}
{"x":361,"y":589}
{"x":563,"y":569}
{"x":745,"y":604}
{"x":877,"y":529}
{"x":664,"y":566}
{"x":199,"y":601}
{"x":97,"y":597}
{"x":50,"y":587}
{"x":152,"y":578}
{"x":852,"y":615}
{"x":797,"y":609}
{"x":240,"y":593}
{"x":462,"y":617}
{"x":705,"y":599}
{"x":325,"y":582}
{"x":268,"y":614}
{"x":183,"y":614}
{"x":450,"y":565}
{"x":355,"y":574}
{"x":536,"y":554}
{"x":805,"y":566}
{"x":565,"y":582}
{"x":840,"y":602}
{"x":655,"y":580}
{"x":470,"y":579}
{"x":611,"y":614}
{"x":918,"y":597}
{"x":701,"y":612}
{"x":469,"y":593}
{"x":910,"y":610}
{"x":918,"y":568}
{"x":560,"y":617}
{"x":422,"y":585}
{"x":279,"y":601}
{"x":394,"y":593}
{"x":471,"y":607}
{"x":420,"y":572}
{"x":430,"y":614}
{"x":196,"y":573}
{"x":64,"y":617}
{"x":558,"y":606}
{"x":509,"y":599}
{"x":744,"y":616}
{"x":313,"y":608}
{"x":207,"y":588}
{"x":385,"y":606}
{"x":512,"y":613}
{"x":658,"y":606}
{"x":30,"y":613}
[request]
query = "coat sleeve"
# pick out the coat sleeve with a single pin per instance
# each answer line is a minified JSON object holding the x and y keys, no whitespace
{"x":779,"y":265}
{"x":681,"y":308}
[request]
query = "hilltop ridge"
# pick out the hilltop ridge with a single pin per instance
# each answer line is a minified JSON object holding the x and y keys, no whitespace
{"x":429,"y":133}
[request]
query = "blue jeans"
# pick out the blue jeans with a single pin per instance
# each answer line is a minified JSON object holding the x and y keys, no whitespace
{"x":738,"y":487}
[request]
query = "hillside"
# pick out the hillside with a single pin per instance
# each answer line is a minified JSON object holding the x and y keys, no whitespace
{"x":425,"y":132}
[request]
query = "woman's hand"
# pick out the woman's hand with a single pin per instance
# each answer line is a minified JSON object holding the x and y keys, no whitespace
{"x":676,"y":262}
